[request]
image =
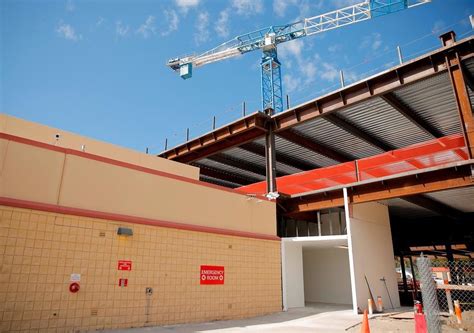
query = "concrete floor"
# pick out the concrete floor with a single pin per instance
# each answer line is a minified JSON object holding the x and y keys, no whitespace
{"x":315,"y":317}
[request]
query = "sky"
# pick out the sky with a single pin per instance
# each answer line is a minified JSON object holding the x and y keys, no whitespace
{"x":98,"y":68}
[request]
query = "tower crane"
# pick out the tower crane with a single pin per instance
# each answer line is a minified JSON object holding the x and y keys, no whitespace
{"x":267,"y":39}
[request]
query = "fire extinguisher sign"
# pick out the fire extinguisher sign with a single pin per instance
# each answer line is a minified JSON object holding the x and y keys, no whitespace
{"x":212,"y":274}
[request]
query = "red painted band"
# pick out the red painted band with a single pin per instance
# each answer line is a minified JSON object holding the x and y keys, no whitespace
{"x":129,"y":219}
{"x":117,"y":163}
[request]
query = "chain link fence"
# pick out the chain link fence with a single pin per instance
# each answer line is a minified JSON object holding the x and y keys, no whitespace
{"x":447,"y":289}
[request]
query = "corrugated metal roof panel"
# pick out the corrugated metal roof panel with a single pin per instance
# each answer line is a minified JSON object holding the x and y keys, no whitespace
{"x":380,"y":120}
{"x":460,"y":198}
{"x":433,"y":100}
{"x":246,"y":155}
{"x":336,"y":138}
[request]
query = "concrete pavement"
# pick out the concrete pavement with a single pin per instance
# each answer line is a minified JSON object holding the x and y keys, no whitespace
{"x":324,"y":318}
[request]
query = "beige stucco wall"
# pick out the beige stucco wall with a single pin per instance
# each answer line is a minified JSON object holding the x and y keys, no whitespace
{"x":37,"y":174}
{"x":373,"y":255}
{"x":38,"y":132}
{"x":39,"y":251}
{"x":326,"y":275}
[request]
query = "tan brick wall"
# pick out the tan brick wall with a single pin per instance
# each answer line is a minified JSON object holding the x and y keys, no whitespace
{"x":39,"y":251}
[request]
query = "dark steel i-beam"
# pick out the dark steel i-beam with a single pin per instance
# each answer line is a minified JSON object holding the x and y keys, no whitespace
{"x":455,"y":70}
{"x":321,"y":149}
{"x":411,"y":115}
{"x":270,"y":160}
{"x":280,"y":158}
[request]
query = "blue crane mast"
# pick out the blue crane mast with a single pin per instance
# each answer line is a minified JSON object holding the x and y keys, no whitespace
{"x":267,"y":39}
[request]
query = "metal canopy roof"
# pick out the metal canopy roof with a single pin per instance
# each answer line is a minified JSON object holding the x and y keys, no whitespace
{"x":418,"y":107}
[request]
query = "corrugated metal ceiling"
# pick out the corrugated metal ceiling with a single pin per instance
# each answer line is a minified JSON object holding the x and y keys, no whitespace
{"x":461,"y":199}
{"x":407,"y":210}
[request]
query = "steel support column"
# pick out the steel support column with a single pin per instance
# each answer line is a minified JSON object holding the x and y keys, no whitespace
{"x":270,"y":157}
{"x":458,"y":82}
{"x":404,"y":275}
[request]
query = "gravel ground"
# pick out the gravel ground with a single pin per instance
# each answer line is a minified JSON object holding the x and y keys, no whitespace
{"x":406,"y":324}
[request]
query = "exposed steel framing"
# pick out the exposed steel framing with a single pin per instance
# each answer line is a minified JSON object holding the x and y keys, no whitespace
{"x":455,"y":70}
{"x":243,"y":130}
{"x":436,"y":179}
{"x":412,"y":71}
{"x":254,"y":126}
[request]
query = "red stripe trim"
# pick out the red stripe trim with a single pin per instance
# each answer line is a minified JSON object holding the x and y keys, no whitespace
{"x":127,"y":218}
{"x":117,"y":163}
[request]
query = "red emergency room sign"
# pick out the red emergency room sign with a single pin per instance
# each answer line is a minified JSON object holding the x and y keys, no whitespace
{"x":124,"y":265}
{"x":212,"y":274}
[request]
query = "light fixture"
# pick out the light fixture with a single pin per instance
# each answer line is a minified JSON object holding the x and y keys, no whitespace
{"x":122,"y":231}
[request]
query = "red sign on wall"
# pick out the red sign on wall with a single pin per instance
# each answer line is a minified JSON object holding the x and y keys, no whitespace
{"x":124,"y":265}
{"x":212,"y":274}
{"x":123,"y":282}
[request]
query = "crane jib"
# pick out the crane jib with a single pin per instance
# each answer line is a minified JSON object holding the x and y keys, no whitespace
{"x":267,"y":39}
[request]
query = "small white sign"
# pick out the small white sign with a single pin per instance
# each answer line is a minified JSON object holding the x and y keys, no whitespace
{"x":75,"y":277}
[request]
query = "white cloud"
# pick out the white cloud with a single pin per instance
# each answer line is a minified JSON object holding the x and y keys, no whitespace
{"x":202,"y":28}
{"x":185,"y":5}
{"x":173,"y":22}
{"x":329,"y":72}
{"x":280,"y":6}
{"x":100,"y":21}
{"x":70,"y":6}
{"x":222,"y":25}
{"x":291,"y":49}
{"x":66,"y":31}
{"x":308,"y":69}
{"x":121,"y":30}
{"x":248,"y":7}
{"x":148,"y":28}
{"x":291,"y":83}
{"x":373,"y":41}
{"x":335,"y":48}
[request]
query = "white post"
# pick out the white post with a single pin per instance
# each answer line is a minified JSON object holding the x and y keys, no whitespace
{"x":351,"y":256}
{"x":283,"y":276}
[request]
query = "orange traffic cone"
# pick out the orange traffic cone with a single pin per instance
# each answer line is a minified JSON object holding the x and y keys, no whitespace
{"x":365,"y":323}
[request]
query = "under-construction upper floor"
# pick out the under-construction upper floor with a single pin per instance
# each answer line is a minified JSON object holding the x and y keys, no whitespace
{"x":403,"y":137}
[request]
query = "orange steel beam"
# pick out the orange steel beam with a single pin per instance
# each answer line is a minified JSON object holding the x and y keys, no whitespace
{"x":316,"y":147}
{"x":412,"y":71}
{"x":424,"y":182}
{"x":454,"y":65}
{"x":244,"y":130}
